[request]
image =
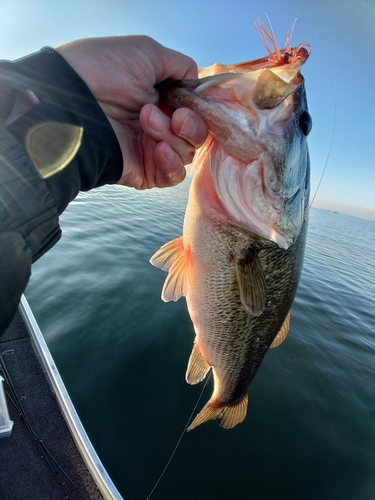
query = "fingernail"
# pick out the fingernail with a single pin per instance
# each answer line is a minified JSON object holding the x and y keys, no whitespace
{"x":169,"y":154}
{"x":156,"y":121}
{"x":188,"y":127}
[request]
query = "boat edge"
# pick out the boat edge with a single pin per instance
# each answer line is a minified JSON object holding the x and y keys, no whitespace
{"x":83,"y":443}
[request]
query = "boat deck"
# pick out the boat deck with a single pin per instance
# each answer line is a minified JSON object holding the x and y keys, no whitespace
{"x":39,"y":459}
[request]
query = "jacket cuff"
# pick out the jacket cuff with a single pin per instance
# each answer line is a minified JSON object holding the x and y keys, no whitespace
{"x":63,"y":97}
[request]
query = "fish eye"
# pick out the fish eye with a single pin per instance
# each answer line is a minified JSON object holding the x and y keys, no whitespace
{"x":305,"y":123}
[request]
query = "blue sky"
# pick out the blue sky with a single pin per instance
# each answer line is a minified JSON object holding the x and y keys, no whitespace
{"x":341,"y":32}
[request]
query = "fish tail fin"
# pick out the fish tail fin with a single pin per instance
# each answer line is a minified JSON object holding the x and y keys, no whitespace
{"x":227,"y":416}
{"x":176,"y":259}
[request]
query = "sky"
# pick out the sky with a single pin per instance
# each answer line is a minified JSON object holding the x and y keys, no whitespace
{"x":339,"y":74}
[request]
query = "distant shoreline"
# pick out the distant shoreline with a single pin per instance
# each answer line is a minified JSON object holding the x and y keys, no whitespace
{"x":337,"y":212}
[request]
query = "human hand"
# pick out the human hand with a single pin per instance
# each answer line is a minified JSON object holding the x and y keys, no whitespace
{"x":122,"y":72}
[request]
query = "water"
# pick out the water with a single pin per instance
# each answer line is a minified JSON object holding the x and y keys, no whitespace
{"x":122,"y":353}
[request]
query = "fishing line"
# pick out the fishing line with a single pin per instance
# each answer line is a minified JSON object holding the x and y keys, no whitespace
{"x":333,"y":128}
{"x":312,"y":201}
{"x":180,"y":438}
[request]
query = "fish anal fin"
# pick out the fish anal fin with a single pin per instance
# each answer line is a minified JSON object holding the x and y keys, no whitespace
{"x":197,"y":367}
{"x":281,"y":336}
{"x":251,"y":281}
{"x":176,"y":259}
{"x":227,"y":416}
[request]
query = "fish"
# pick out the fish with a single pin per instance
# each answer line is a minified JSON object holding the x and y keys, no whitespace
{"x":240,"y":256}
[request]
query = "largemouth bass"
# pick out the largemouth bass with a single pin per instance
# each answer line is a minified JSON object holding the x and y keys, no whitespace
{"x":239,"y":260}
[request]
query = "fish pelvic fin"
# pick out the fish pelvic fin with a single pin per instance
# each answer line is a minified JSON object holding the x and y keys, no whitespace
{"x":281,"y":336}
{"x":251,"y":281}
{"x":174,"y":258}
{"x":227,"y":416}
{"x":197,"y":367}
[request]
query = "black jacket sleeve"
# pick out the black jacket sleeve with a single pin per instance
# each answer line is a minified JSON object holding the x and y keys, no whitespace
{"x":36,"y":90}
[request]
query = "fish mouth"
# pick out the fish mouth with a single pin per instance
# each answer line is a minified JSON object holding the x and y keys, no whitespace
{"x":259,"y":159}
{"x":253,"y":198}
{"x":268,"y":195}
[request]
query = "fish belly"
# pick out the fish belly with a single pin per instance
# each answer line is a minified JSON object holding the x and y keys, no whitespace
{"x":222,"y":326}
{"x":229,"y":339}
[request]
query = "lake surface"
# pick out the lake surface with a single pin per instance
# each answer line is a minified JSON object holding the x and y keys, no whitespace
{"x":122,"y":353}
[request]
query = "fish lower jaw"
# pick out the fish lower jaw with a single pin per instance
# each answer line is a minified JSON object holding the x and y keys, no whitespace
{"x":251,"y":196}
{"x":270,"y":233}
{"x":265,"y":228}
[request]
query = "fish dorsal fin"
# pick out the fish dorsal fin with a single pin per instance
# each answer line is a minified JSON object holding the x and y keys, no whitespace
{"x":281,"y":336}
{"x":197,"y":367}
{"x":176,"y":259}
{"x":227,"y":416}
{"x":251,"y":281}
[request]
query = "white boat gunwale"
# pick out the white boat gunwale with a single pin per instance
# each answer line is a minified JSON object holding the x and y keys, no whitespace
{"x":81,"y":439}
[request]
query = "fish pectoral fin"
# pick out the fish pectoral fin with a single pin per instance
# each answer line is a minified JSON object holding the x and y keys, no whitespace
{"x":167,"y":254}
{"x":197,"y":367}
{"x":176,"y":259}
{"x":281,"y":336}
{"x":251,"y":281}
{"x":227,"y":416}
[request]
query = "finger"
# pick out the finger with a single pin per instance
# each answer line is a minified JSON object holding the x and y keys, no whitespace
{"x":170,"y":170}
{"x":162,"y":167}
{"x":189,"y":126}
{"x":175,"y":65}
{"x":158,"y":127}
